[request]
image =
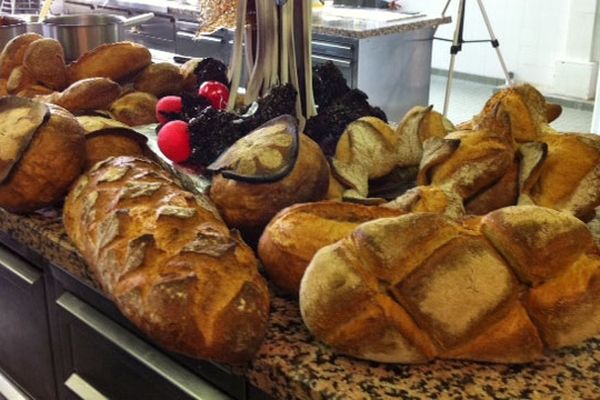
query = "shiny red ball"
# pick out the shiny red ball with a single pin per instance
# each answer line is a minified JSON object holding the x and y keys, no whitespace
{"x":168,"y":105}
{"x":216,"y":92}
{"x":174,"y":141}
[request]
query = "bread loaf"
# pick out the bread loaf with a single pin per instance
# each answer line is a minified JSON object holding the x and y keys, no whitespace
{"x":420,"y":286}
{"x":116,"y":61}
{"x":105,"y":138}
{"x":19,"y":80}
{"x":294,"y":235}
{"x":14,"y":51}
{"x":249,"y":206}
{"x":168,"y":261}
{"x":47,"y":166}
{"x":88,"y":94}
{"x":160,"y":79}
{"x":45,"y":62}
{"x":135,"y":108}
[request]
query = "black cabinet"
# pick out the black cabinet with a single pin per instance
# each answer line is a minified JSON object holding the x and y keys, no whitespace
{"x":25,"y":346}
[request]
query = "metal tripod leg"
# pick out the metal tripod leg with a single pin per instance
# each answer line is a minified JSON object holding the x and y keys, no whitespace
{"x":495,"y":43}
{"x":456,"y":46}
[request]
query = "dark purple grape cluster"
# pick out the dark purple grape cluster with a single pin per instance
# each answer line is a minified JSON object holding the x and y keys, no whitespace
{"x":210,"y":69}
{"x":212,"y":131}
{"x":338,"y":106}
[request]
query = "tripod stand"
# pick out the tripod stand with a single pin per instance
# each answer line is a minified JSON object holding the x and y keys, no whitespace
{"x":458,"y":41}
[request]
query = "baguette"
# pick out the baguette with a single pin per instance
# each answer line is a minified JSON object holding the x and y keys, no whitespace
{"x":496,"y":288}
{"x":168,"y":261}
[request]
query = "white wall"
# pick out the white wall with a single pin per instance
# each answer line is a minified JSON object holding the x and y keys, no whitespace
{"x":536,"y":37}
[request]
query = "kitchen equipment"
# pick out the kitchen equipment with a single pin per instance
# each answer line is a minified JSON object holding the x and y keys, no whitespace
{"x":82,"y":32}
{"x":9,"y":28}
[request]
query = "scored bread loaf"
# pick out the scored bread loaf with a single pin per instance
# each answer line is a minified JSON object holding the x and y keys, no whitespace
{"x":294,"y":235}
{"x":495,"y":288}
{"x":116,"y":61}
{"x":168,"y":261}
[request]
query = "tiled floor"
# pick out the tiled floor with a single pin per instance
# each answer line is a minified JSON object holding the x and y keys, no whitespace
{"x":467,"y":98}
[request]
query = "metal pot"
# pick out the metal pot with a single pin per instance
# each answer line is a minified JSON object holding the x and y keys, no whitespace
{"x":9,"y":28}
{"x":79,"y":33}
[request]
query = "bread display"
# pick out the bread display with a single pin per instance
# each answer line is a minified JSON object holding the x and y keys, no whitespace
{"x":420,"y":286}
{"x":44,"y":162}
{"x":108,"y":61}
{"x":249,"y":204}
{"x":160,"y":79}
{"x":106,"y":138}
{"x":296,"y":233}
{"x":44,"y":59}
{"x":14,"y":51}
{"x":167,"y":260}
{"x":135,"y":108}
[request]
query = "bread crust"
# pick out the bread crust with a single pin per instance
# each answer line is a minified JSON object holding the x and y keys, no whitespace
{"x":14,"y":51}
{"x":116,"y":61}
{"x":168,"y":261}
{"x":53,"y":160}
{"x":419,"y":286}
{"x":160,"y":79}
{"x":296,"y":233}
{"x":135,"y":108}
{"x":89,"y":94}
{"x":44,"y":59}
{"x":250,"y":206}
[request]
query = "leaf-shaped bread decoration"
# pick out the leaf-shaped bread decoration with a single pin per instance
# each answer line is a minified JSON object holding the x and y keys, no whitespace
{"x":97,"y":125}
{"x":266,"y":154}
{"x":19,"y":120}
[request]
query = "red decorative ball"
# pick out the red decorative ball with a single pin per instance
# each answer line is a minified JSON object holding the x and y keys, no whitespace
{"x":168,"y":105}
{"x":174,"y":141}
{"x":216,"y":92}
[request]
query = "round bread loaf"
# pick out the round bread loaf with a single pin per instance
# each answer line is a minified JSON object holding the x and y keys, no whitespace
{"x":168,"y":261}
{"x":44,"y":59}
{"x":136,"y":108}
{"x":160,"y":79}
{"x":249,"y":206}
{"x":296,"y":233}
{"x":44,"y":172}
{"x":495,"y":288}
{"x":14,"y":51}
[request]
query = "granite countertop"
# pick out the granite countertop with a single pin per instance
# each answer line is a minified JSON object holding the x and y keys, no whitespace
{"x":292,"y":365}
{"x":367,"y":28}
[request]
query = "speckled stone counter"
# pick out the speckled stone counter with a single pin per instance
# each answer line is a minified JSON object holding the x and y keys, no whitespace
{"x":292,"y":365}
{"x":365,"y":28}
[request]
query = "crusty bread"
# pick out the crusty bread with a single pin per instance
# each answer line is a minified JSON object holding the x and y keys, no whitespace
{"x":88,"y":94}
{"x":168,"y":261}
{"x":116,"y":61}
{"x":435,"y":199}
{"x":19,"y":80}
{"x":14,"y":51}
{"x":466,"y":161}
{"x":135,"y":108}
{"x":419,"y":286}
{"x":188,"y":72}
{"x":567,"y":176}
{"x":295,"y":234}
{"x":44,"y":59}
{"x":33,"y":91}
{"x":250,"y":206}
{"x":160,"y":79}
{"x":53,"y":160}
